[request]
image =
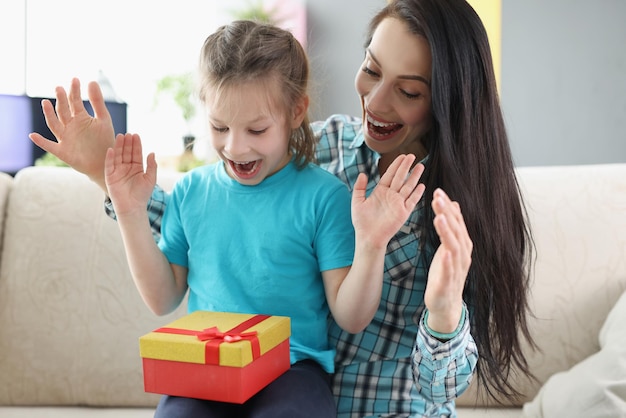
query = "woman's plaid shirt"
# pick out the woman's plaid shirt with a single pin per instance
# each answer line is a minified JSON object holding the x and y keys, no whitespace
{"x":394,"y":368}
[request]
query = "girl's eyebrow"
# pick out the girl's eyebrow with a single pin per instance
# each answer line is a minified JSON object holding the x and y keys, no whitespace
{"x":260,"y":118}
{"x":403,"y":77}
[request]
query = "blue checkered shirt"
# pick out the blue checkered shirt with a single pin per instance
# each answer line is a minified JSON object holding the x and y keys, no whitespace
{"x":394,"y":368}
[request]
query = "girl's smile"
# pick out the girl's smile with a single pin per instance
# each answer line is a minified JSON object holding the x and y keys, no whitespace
{"x":245,"y":170}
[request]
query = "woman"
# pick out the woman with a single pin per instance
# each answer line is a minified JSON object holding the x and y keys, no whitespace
{"x":427,"y":88}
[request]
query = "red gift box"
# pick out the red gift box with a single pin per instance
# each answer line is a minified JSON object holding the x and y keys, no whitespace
{"x":219,"y":356}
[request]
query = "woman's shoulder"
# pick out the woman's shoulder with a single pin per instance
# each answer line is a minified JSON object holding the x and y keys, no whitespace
{"x":335,"y":124}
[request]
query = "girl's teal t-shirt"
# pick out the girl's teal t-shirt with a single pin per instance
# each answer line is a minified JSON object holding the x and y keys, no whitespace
{"x":260,"y":249}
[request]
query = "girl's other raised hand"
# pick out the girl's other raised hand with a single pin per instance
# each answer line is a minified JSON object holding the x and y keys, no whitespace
{"x":379,"y":216}
{"x":129,"y":186}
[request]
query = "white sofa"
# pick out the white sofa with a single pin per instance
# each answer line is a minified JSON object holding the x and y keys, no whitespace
{"x":70,"y":316}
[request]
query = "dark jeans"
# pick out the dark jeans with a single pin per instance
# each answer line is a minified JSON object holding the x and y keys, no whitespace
{"x":301,"y":392}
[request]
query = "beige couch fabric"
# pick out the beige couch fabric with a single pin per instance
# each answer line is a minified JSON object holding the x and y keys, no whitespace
{"x":70,"y":316}
{"x":595,"y":387}
{"x":578,"y":218}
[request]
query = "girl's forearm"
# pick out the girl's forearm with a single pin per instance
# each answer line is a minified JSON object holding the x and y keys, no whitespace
{"x":153,"y":275}
{"x":359,"y":295}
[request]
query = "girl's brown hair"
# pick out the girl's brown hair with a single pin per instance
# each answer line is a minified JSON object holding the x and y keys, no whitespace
{"x":246,"y":51}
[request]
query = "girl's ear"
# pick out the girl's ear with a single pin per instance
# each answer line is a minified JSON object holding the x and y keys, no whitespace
{"x":302,"y":106}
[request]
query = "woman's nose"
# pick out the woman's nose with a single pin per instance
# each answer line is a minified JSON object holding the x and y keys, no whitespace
{"x":379,"y":98}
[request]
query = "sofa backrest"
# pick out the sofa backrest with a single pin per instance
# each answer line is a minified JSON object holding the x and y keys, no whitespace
{"x":6,"y":182}
{"x":578,"y":219}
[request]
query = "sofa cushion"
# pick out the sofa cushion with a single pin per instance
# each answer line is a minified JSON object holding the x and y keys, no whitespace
{"x":70,"y":315}
{"x":578,"y":220}
{"x":595,"y":387}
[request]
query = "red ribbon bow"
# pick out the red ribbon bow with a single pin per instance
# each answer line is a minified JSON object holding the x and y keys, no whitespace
{"x":230,"y":337}
{"x":214,"y":338}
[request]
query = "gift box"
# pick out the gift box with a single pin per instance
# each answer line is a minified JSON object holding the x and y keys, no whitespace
{"x":218,"y":356}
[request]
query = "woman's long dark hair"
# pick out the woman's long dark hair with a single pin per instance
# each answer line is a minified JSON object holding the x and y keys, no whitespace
{"x":470,"y":158}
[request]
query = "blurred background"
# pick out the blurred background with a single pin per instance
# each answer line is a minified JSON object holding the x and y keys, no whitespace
{"x":561,"y":66}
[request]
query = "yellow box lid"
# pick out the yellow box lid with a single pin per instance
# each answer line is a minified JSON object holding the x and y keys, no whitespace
{"x":179,"y":340}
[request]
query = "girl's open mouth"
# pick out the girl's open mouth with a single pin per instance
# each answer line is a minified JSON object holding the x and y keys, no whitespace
{"x":245,"y":169}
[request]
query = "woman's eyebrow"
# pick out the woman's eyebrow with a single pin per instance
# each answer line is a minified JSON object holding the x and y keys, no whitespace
{"x":403,"y":77}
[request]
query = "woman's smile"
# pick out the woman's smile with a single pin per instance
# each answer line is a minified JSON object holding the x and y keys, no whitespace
{"x":381,"y":130}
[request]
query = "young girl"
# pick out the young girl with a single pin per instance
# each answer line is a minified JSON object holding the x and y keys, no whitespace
{"x":264,"y":230}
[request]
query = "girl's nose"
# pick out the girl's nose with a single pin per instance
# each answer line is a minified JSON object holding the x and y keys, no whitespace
{"x":235,"y":144}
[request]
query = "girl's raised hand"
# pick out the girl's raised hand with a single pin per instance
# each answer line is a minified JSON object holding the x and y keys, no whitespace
{"x":378,"y":217}
{"x":129,"y":186}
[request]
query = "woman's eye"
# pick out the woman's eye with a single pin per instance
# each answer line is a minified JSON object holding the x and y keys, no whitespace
{"x":368,"y":71}
{"x":409,"y":95}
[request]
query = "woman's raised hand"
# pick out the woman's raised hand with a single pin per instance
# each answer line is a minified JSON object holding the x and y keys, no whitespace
{"x":81,"y":140}
{"x":450,"y":266}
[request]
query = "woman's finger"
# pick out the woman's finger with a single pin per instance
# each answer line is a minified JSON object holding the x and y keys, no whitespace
{"x":62,"y":107}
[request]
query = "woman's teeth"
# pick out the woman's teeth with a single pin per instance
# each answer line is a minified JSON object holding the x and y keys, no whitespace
{"x":382,"y":130}
{"x":378,"y":123}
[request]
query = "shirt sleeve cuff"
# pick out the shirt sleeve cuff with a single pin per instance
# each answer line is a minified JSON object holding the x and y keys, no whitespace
{"x":108,"y":208}
{"x":436,"y":349}
{"x":441,"y":336}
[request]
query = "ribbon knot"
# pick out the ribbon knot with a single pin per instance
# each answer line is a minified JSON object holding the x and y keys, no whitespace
{"x":214,"y":333}
{"x":214,"y":337}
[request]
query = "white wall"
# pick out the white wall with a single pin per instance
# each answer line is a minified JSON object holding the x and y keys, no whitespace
{"x":336,"y":36}
{"x":45,"y":43}
{"x":563,"y":64}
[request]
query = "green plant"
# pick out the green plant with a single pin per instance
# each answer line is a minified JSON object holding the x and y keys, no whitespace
{"x":256,"y":11}
{"x":48,"y":159}
{"x":181,"y":89}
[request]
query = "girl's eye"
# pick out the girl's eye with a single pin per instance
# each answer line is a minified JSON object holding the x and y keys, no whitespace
{"x":220,"y":130}
{"x":253,"y":132}
{"x":409,"y":95}
{"x":368,"y":71}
